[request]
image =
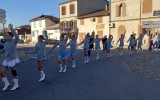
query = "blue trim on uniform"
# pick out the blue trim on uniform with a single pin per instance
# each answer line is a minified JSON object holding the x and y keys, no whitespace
{"x":63,"y":55}
{"x":42,"y":58}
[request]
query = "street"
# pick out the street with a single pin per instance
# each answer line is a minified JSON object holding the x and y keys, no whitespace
{"x":106,"y":79}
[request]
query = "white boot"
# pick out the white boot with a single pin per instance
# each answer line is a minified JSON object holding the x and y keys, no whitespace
{"x":61,"y":68}
{"x":16,"y":86}
{"x":97,"y":58}
{"x":7,"y":84}
{"x":73,"y":64}
{"x":65,"y":68}
{"x":42,"y":76}
{"x":87,"y":60}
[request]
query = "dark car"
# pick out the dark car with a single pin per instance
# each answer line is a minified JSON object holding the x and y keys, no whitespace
{"x":51,"y":41}
{"x":2,"y":41}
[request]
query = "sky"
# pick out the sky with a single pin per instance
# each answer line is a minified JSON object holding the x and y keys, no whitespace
{"x":19,"y":12}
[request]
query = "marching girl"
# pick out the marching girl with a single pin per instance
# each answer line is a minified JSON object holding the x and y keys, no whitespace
{"x":108,"y":45}
{"x":140,"y":41}
{"x":85,"y":47}
{"x":155,"y":42}
{"x":121,"y":45}
{"x":10,"y":59}
{"x":97,"y":45}
{"x":73,"y":48}
{"x":40,"y":53}
{"x":62,"y":52}
{"x":131,"y":44}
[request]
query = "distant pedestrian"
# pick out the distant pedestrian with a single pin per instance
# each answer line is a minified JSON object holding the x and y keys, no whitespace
{"x":62,"y":52}
{"x":108,"y":44}
{"x":85,"y":47}
{"x":140,"y":42}
{"x":97,"y":45}
{"x":103,"y":41}
{"x":73,"y":48}
{"x":10,"y":59}
{"x":91,"y":46}
{"x":40,"y":53}
{"x":121,"y":45}
{"x":131,"y":44}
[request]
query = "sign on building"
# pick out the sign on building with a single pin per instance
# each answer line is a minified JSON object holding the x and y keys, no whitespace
{"x":156,"y":13}
{"x":151,"y":24}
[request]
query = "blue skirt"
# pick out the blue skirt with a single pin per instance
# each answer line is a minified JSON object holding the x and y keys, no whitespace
{"x":156,"y":43}
{"x":140,"y":44}
{"x":63,"y":55}
{"x":86,"y":49}
{"x":74,"y":52}
{"x":131,"y":44}
{"x":121,"y":45}
{"x":109,"y":46}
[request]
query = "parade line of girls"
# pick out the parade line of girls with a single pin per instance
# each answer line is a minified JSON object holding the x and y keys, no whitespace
{"x":11,"y":59}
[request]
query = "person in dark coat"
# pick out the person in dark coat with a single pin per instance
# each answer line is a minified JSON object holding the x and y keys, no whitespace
{"x":103,"y":41}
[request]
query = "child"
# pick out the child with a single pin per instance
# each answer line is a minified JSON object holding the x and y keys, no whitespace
{"x":62,"y":52}
{"x":41,"y":54}
{"x":10,"y":59}
{"x":108,"y":44}
{"x":121,"y":40}
{"x":73,"y":48}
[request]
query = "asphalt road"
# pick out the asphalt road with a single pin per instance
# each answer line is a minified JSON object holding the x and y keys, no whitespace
{"x":97,"y":80}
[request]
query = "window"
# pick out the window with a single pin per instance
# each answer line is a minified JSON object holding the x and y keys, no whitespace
{"x":72,"y":25}
{"x":121,"y":10}
{"x":81,"y":21}
{"x":40,"y":23}
{"x":33,"y":34}
{"x":72,"y":9}
{"x":34,"y":24}
{"x":100,"y":19}
{"x":63,"y":10}
{"x":147,"y":6}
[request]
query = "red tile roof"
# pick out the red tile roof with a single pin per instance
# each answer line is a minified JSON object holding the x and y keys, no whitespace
{"x":54,"y":19}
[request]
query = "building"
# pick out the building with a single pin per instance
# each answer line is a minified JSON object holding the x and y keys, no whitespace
{"x":97,"y":21}
{"x":53,"y":31}
{"x":24,"y":33}
{"x":140,"y":16}
{"x":71,"y":12}
{"x":40,"y":23}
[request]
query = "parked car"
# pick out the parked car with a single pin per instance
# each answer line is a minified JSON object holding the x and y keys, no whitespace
{"x":51,"y":41}
{"x":2,"y":41}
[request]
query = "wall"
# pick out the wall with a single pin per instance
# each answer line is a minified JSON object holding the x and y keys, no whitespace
{"x":88,"y":6}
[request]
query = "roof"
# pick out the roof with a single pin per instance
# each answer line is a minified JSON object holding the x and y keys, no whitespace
{"x":55,"y":26}
{"x":54,"y":19}
{"x":67,"y":2}
{"x":95,"y":14}
{"x":24,"y":26}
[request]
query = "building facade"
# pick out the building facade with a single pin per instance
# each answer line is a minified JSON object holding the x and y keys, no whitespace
{"x":73,"y":11}
{"x":138,"y":16}
{"x":97,"y":22}
{"x":40,"y":23}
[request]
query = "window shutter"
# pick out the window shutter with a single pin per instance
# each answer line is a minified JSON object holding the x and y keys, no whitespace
{"x":124,"y":9}
{"x":72,"y":9}
{"x":117,"y":10}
